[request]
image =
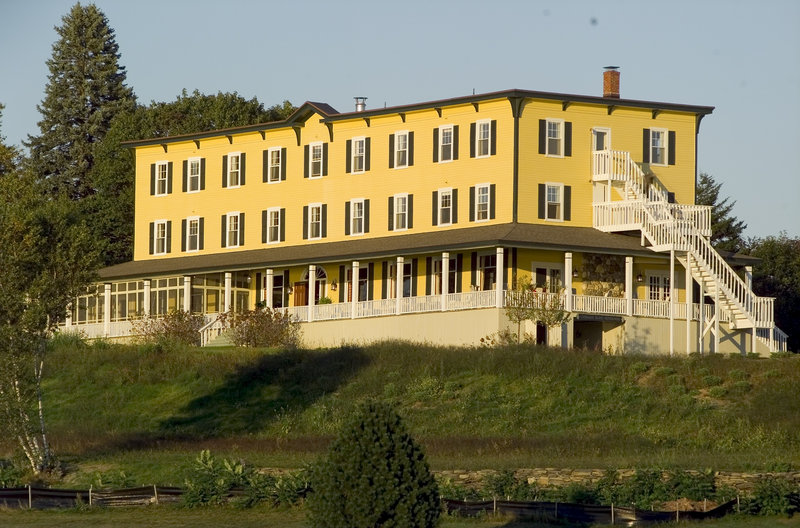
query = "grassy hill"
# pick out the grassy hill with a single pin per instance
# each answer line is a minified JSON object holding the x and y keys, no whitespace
{"x":147,"y":412}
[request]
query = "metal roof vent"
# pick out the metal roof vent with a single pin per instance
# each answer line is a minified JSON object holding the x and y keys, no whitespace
{"x":361,"y":103}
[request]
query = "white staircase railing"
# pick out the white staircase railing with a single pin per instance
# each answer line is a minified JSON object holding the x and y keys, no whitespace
{"x":211,"y":329}
{"x":674,"y":227}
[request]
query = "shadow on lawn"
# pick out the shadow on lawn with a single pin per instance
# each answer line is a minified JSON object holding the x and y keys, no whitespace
{"x":257,"y":394}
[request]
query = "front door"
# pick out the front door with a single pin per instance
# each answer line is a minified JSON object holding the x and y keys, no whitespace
{"x":301,"y":293}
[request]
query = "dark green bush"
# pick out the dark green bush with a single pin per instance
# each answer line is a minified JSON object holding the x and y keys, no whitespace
{"x":774,"y":496}
{"x":505,"y":485}
{"x":740,"y":387}
{"x":737,"y":374}
{"x":711,"y":381}
{"x":11,"y":475}
{"x":374,"y":475}
{"x":717,"y":392}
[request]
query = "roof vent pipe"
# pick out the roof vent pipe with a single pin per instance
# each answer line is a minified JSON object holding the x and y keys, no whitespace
{"x":611,"y":82}
{"x":361,"y":103}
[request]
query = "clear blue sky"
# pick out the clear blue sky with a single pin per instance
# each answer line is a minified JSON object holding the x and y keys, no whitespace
{"x":743,"y":57}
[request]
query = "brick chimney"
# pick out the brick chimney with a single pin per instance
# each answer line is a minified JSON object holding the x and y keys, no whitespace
{"x":611,"y":82}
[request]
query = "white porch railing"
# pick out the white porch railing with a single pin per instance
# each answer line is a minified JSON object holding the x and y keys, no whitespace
{"x":471,"y":300}
{"x":599,"y":304}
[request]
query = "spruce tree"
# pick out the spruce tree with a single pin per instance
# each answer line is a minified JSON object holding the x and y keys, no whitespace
{"x":9,"y":156}
{"x":85,"y":91}
{"x":374,"y":476}
{"x":726,"y":229}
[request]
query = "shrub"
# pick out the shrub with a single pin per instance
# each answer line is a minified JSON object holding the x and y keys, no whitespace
{"x":210,"y":482}
{"x":664,"y":371}
{"x":638,"y":368}
{"x":711,"y":381}
{"x":773,"y":496}
{"x":505,"y":485}
{"x":737,"y":375}
{"x":263,"y":328}
{"x":175,"y":328}
{"x":10,"y":475}
{"x":740,"y":387}
{"x":374,"y":475}
{"x":717,"y":392}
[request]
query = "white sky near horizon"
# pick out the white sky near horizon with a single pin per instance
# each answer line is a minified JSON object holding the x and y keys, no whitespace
{"x":742,"y":57}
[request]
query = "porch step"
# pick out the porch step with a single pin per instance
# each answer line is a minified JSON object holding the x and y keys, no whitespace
{"x":222,"y":340}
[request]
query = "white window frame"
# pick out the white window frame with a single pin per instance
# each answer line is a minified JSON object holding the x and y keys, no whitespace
{"x":312,"y":209}
{"x":604,"y":130}
{"x":662,"y":146}
{"x":442,"y":129}
{"x":191,"y":176}
{"x":440,"y":207}
{"x":486,"y":262}
{"x":356,"y":155}
{"x":391,"y":280}
{"x":232,"y":218}
{"x":400,"y":214}
{"x":238,"y":157}
{"x":437,"y":275}
{"x":189,"y":221}
{"x":355,"y":204}
{"x":487,"y":188}
{"x":483,"y":124}
{"x":162,"y":178}
{"x":554,"y":275}
{"x":160,"y":236}
{"x":273,"y":167}
{"x":312,"y":148}
{"x":273,"y":223}
{"x":558,"y":125}
{"x":662,"y":288}
{"x":560,"y":188}
{"x":397,"y":150}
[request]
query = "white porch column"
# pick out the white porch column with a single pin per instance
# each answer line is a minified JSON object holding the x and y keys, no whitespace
{"x":629,"y":285}
{"x":445,"y":278}
{"x":689,"y":302}
{"x":146,"y":307}
{"x":312,"y":291}
{"x":353,"y":290}
{"x":399,"y":284}
{"x":68,"y":319}
{"x":671,"y":302}
{"x":716,"y":320}
{"x":270,"y":278}
{"x":748,"y":277}
{"x":187,"y":293}
{"x":701,"y":323}
{"x":499,"y":273}
{"x":227,"y":301}
{"x":568,"y":280}
{"x":107,"y":309}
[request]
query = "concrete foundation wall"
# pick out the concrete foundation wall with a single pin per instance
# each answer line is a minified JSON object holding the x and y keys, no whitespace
{"x":651,"y":336}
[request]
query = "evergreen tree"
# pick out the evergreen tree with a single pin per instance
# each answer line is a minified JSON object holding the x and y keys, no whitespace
{"x":726,"y":229}
{"x":85,"y":91}
{"x":9,"y":156}
{"x":374,"y":476}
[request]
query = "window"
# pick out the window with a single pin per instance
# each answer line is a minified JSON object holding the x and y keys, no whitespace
{"x":192,"y":234}
{"x":233,"y":230}
{"x":274,"y":165}
{"x":601,"y":139}
{"x":160,"y":237}
{"x":452,"y":274}
{"x":482,"y":203}
{"x":400,"y":145}
{"x":554,"y":208}
{"x":315,"y":160}
{"x":547,"y":277}
{"x":235,"y":175}
{"x":161,"y":178}
{"x":483,"y":138}
{"x":357,"y":217}
{"x":400,"y":212}
{"x":278,"y":290}
{"x":358,"y":155}
{"x":315,"y":221}
{"x":446,"y":143}
{"x":487,"y":272}
{"x":274,"y":225}
{"x":658,"y":146}
{"x":193,"y":175}
{"x":658,"y":287}
{"x":555,"y":137}
{"x":445,"y":216}
{"x":389,"y":280}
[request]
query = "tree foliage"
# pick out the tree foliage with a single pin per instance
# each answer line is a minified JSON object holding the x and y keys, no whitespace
{"x":374,"y":475}
{"x":46,"y":259}
{"x":9,"y":156}
{"x":527,"y":304}
{"x":726,"y":230}
{"x":85,"y":91}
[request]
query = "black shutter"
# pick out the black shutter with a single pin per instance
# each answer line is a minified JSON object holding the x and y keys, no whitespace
{"x":201,"y":233}
{"x":183,"y":233}
{"x":169,"y":178}
{"x":202,"y":173}
{"x":366,"y":215}
{"x":671,"y":147}
{"x":347,"y":218}
{"x":224,"y":240}
{"x":454,"y":203}
{"x":384,"y":278}
{"x":370,"y":280}
{"x":491,"y":201}
{"x":428,"y":273}
{"x":152,"y":179}
{"x":265,"y":166}
{"x":342,"y":284}
{"x":169,"y":236}
{"x":224,"y":171}
{"x":567,"y":202}
{"x":472,"y":204}
{"x":435,"y":145}
{"x":391,"y":153}
{"x":542,"y":200}
{"x":568,"y":138}
{"x":410,"y":148}
{"x":185,"y":176}
{"x":324,"y":159}
{"x":542,"y":136}
{"x":305,"y":222}
{"x":646,"y":145}
{"x":283,"y":225}
{"x":473,"y":273}
{"x":413,"y":277}
{"x":494,"y":137}
{"x":435,"y":208}
{"x":391,"y":213}
{"x":324,"y":220}
{"x":306,"y":155}
{"x":348,"y":156}
{"x":410,"y":211}
{"x":366,"y":153}
{"x":242,"y":165}
{"x":472,"y":140}
{"x":241,"y":229}
{"x":455,"y":142}
{"x":459,"y":268}
{"x":283,"y":164}
{"x":152,"y":237}
{"x":264,"y":226}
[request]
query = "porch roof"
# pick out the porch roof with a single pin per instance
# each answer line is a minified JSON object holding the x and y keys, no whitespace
{"x":549,"y":237}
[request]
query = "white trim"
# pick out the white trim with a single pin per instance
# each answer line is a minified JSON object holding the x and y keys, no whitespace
{"x":238,"y":156}
{"x":405,"y":214}
{"x":549,"y":267}
{"x":311,"y":147}
{"x":189,"y":162}
{"x":189,"y":221}
{"x":488,"y":187}
{"x":547,"y":202}
{"x":156,"y":224}
{"x":311,"y":207}
{"x":439,"y":222}
{"x":663,"y":285}
{"x":607,"y":132}
{"x":228,"y":217}
{"x":440,"y":145}
{"x":270,"y":164}
{"x":352,"y":216}
{"x":396,"y":136}
{"x":478,"y":138}
{"x":665,"y":137}
{"x":353,"y":141}
{"x":158,"y":165}
{"x":271,"y":210}
{"x":561,"y":141}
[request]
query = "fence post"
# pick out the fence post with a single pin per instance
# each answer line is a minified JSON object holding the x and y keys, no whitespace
{"x":90,"y":494}
{"x":155,"y":492}
{"x":30,"y":498}
{"x":494,"y":505}
{"x":612,"y":513}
